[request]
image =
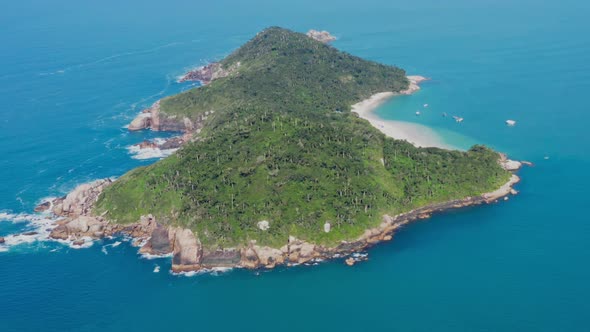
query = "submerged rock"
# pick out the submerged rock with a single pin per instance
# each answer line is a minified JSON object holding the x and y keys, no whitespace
{"x":43,"y":207}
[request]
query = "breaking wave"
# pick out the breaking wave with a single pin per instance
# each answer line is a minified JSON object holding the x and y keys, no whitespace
{"x":109,"y":58}
{"x":38,"y":228}
{"x":217,"y":271}
{"x":150,"y":153}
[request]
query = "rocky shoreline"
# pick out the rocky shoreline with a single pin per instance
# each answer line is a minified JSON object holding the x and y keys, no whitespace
{"x":153,"y":119}
{"x":79,"y":225}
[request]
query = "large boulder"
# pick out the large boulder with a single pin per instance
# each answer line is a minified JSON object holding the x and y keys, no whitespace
{"x":187,"y":251}
{"x":141,"y":121}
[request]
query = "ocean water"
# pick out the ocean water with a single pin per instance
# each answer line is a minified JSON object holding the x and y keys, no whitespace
{"x":73,"y":74}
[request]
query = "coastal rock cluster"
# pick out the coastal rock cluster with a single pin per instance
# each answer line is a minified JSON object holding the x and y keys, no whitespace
{"x":152,"y":118}
{"x":168,"y":144}
{"x":208,"y":73}
{"x":321,"y":36}
{"x":80,"y":200}
{"x":414,"y":86}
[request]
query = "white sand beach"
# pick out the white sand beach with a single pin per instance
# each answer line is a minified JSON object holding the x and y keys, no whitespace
{"x":416,"y":134}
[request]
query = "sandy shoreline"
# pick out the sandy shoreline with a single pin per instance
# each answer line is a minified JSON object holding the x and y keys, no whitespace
{"x":416,"y":134}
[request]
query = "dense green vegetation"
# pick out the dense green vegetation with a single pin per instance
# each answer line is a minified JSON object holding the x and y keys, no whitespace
{"x":272,"y":153}
{"x":281,"y":70}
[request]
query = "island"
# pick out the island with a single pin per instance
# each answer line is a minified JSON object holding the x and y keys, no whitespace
{"x":274,"y":168}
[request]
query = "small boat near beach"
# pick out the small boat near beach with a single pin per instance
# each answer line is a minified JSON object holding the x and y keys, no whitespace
{"x":457,"y":118}
{"x":510,"y":123}
{"x":418,"y":113}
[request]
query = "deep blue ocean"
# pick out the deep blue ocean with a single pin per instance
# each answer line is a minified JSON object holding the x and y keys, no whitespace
{"x":74,"y":73}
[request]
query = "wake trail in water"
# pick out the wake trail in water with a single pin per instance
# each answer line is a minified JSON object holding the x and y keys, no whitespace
{"x":109,"y":58}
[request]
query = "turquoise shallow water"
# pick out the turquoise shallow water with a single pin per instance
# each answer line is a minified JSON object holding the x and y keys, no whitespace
{"x":73,"y":74}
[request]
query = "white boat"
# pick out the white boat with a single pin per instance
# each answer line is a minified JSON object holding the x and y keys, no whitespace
{"x":418,"y":113}
{"x":457,"y":119}
{"x":425,"y":105}
{"x":510,"y":122}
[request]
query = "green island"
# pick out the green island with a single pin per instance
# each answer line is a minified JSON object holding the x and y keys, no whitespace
{"x":279,"y":145}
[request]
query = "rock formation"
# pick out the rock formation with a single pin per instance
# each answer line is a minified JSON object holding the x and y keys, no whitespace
{"x":321,"y":36}
{"x":187,"y":251}
{"x":152,"y":118}
{"x":43,"y":207}
{"x":209,"y":73}
{"x":80,"y":200}
{"x":414,"y":86}
{"x":509,"y":165}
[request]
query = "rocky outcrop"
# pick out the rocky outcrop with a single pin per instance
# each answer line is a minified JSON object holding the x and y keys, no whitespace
{"x":81,"y":226}
{"x":43,"y":207}
{"x":300,"y":251}
{"x":165,"y":144}
{"x":159,"y":243}
{"x":350,"y":261}
{"x":414,"y":85}
{"x":145,"y":144}
{"x":80,"y":200}
{"x":2,"y":240}
{"x":254,"y":257}
{"x":509,"y":165}
{"x":209,"y":73}
{"x":142,"y":121}
{"x":152,"y":118}
{"x":187,"y":251}
{"x":503,"y":191}
{"x":321,"y":36}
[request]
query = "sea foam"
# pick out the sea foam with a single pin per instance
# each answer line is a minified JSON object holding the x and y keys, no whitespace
{"x":150,"y":153}
{"x":39,"y":227}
